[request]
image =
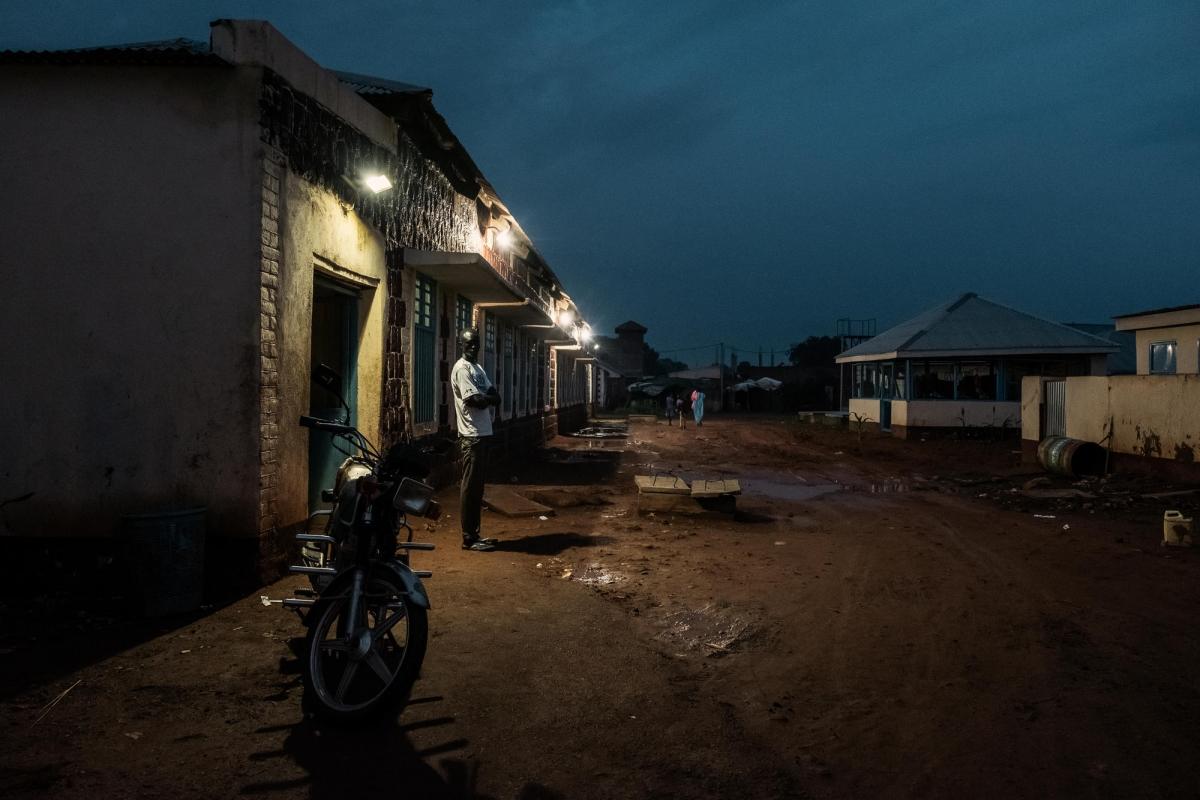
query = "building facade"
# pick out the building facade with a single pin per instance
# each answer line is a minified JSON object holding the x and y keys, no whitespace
{"x":960,"y":365}
{"x":1151,"y":419}
{"x":190,"y":232}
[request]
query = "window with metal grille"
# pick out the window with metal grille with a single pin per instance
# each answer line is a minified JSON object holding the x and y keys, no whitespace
{"x":424,"y":348}
{"x":509,"y":372}
{"x":489,"y":349}
{"x":463,"y":314}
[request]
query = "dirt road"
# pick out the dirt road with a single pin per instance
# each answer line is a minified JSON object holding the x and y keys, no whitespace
{"x":866,"y":627}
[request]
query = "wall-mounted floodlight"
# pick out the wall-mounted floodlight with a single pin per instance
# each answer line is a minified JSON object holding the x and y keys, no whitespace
{"x":377,"y":183}
{"x":585,"y":333}
{"x":565,"y":318}
{"x":504,"y":240}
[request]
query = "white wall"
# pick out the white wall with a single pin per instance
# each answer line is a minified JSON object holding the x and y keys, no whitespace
{"x":1187,"y":347}
{"x":1150,"y":415}
{"x":130,"y":304}
{"x":956,"y":413}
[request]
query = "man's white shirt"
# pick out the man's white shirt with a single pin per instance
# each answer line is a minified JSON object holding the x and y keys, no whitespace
{"x":468,"y":379}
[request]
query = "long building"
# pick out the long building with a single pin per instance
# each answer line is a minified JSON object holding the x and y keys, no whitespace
{"x":190,"y":228}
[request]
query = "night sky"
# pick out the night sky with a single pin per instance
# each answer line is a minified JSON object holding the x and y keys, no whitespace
{"x":751,"y":172}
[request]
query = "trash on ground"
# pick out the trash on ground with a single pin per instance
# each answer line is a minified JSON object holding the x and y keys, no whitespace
{"x":50,"y":706}
{"x":602,"y":432}
{"x":1177,"y":529}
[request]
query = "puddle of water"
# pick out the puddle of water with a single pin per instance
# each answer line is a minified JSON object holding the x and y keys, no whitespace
{"x":596,"y":574}
{"x":890,"y":486}
{"x":708,"y":629}
{"x":789,"y":491}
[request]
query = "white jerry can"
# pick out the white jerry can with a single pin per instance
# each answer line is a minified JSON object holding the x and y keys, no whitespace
{"x":1177,"y":529}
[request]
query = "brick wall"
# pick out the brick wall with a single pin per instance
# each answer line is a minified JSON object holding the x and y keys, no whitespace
{"x":394,"y":406}
{"x":269,"y":548}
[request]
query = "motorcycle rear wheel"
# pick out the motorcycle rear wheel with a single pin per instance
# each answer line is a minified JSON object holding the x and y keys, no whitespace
{"x":347,"y":681}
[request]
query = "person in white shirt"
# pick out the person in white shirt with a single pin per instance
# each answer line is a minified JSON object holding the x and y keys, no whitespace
{"x":474,"y":399}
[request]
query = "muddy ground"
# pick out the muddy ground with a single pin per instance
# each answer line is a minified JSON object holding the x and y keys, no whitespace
{"x":881,"y":619}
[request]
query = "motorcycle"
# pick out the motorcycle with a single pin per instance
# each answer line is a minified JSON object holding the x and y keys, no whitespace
{"x":367,"y":611}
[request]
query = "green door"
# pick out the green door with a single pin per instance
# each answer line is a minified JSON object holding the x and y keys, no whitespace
{"x":335,"y":343}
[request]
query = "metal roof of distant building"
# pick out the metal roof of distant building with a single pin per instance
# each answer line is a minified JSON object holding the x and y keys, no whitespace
{"x":630,"y":325}
{"x":368,"y":84}
{"x":972,"y":326}
{"x":166,"y":51}
{"x":1158,"y":311}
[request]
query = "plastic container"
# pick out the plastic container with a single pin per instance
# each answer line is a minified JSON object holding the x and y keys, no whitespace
{"x":165,"y":553}
{"x":1177,"y":529}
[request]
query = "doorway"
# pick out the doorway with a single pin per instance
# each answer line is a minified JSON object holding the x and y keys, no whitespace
{"x":334,"y":343}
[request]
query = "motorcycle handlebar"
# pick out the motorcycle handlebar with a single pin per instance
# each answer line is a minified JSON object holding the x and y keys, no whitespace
{"x":325,"y":425}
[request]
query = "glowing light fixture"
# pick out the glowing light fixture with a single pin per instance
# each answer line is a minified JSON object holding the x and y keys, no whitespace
{"x":377,"y":183}
{"x":504,"y":240}
{"x":586,"y":333}
{"x":565,"y":318}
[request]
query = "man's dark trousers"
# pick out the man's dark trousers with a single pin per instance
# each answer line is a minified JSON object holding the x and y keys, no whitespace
{"x":474,"y":464}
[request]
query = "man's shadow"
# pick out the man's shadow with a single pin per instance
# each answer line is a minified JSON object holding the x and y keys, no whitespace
{"x":550,"y":544}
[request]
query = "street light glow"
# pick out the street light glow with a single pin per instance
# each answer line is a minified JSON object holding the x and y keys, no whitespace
{"x":377,"y":183}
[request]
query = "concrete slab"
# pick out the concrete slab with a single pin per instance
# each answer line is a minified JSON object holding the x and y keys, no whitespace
{"x":504,"y":500}
{"x":661,"y":484}
{"x":715,"y":488}
{"x":686,"y":505}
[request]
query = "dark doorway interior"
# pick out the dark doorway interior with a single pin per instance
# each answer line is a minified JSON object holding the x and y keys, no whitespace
{"x":334,"y":342}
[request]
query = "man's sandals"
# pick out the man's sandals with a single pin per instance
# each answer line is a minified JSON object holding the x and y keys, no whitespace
{"x":482,"y":545}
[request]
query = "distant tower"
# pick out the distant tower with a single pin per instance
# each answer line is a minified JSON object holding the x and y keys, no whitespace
{"x":630,"y":339}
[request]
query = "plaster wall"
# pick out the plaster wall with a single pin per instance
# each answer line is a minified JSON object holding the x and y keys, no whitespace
{"x":864,"y":407}
{"x":1031,"y":407}
{"x":957,"y":413}
{"x":258,"y":43}
{"x":130,"y":305}
{"x":319,"y":235}
{"x":1187,"y":347}
{"x":940,"y":413}
{"x":1151,"y":415}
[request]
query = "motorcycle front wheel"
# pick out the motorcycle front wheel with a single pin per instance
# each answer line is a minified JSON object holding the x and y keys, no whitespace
{"x":351,"y":671}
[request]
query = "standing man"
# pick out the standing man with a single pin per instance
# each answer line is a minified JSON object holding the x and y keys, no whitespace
{"x":474,"y":399}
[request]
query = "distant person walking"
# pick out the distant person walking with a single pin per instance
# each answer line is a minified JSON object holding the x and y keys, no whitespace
{"x":681,"y":410}
{"x":698,"y":407}
{"x":670,"y":408}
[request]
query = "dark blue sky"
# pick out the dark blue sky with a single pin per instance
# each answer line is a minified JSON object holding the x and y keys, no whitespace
{"x":751,"y":172}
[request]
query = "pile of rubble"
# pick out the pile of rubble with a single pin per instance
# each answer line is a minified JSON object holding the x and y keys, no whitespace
{"x":1119,"y":492}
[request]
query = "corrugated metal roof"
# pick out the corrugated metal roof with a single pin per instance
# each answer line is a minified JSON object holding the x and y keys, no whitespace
{"x":167,"y":51}
{"x":368,"y":84}
{"x":971,"y":325}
